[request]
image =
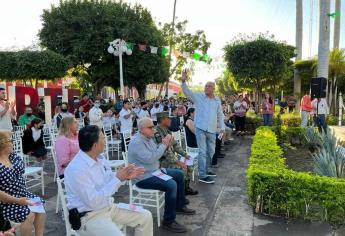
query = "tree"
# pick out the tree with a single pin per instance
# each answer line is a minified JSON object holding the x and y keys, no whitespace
{"x":299,"y":43}
{"x":337,"y":19}
{"x":258,"y":61}
{"x":227,"y":85}
{"x":182,"y":41}
{"x":81,"y":30}
{"x":32,"y":66}
{"x":336,"y":69}
{"x":324,"y":34}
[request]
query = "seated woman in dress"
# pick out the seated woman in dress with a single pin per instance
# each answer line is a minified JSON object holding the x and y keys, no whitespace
{"x":190,"y":128}
{"x":13,"y":184}
{"x":33,"y":144}
{"x":66,"y":145}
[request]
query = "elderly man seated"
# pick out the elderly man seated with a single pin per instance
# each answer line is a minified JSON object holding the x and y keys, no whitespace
{"x":170,"y":158}
{"x":144,"y":152}
{"x":90,"y":184}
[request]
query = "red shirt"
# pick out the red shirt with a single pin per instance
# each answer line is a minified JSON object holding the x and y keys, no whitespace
{"x":85,"y":104}
{"x":306,"y":103}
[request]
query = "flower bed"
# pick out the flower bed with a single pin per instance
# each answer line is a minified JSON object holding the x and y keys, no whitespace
{"x":275,"y":189}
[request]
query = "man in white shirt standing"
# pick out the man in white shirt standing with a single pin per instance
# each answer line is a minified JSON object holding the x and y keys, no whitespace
{"x":96,"y":115}
{"x":156,"y":109}
{"x":126,"y":117}
{"x":320,"y":111}
{"x":143,"y":112}
{"x":6,"y":111}
{"x":90,"y":184}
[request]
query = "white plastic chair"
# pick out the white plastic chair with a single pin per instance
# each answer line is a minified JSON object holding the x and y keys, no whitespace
{"x":193,"y":152}
{"x":34,"y":176}
{"x":62,"y":197}
{"x":127,"y":135}
{"x":112,"y":144}
{"x":145,"y":197}
{"x":19,"y":128}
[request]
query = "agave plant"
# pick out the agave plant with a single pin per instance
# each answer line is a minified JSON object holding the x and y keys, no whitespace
{"x":330,"y":158}
{"x":313,"y":138}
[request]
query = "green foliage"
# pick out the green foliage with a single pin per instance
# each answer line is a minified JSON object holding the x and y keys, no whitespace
{"x":81,"y":30}
{"x":227,"y":85}
{"x":259,"y":61}
{"x":32,"y":65}
{"x":312,"y":138}
{"x":274,"y":189}
{"x":329,"y":157}
{"x":183,"y":41}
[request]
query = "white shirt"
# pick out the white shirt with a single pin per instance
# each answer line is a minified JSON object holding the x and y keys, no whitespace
{"x":143,"y":114}
{"x":5,"y":121}
{"x":322,"y":107}
{"x":109,"y":120}
{"x":95,"y":116}
{"x":36,"y":133}
{"x":90,"y":184}
{"x":154,"y":111}
{"x":126,"y":124}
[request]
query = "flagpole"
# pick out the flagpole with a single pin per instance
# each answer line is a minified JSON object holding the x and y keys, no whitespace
{"x":170,"y":47}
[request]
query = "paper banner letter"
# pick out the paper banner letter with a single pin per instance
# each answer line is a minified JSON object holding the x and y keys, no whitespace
{"x":196,"y":56}
{"x":154,"y":49}
{"x":20,"y":94}
{"x":164,"y":51}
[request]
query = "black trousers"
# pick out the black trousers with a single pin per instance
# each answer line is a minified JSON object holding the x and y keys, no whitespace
{"x":4,"y":224}
{"x":217,"y":151}
{"x":240,"y":123}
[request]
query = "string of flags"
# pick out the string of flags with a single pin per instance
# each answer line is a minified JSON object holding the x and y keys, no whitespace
{"x":164,"y":51}
{"x":333,"y":14}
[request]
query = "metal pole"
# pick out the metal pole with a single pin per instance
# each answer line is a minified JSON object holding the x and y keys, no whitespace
{"x":170,"y":47}
{"x":121,"y":72}
{"x":340,"y":109}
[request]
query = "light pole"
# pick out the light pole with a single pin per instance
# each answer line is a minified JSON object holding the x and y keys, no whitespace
{"x":117,"y":48}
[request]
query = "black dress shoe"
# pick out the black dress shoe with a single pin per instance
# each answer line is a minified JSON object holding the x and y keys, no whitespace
{"x":191,"y":191}
{"x":174,"y":227}
{"x":185,"y":211}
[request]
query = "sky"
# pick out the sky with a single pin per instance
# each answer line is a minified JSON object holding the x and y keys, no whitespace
{"x":221,"y":20}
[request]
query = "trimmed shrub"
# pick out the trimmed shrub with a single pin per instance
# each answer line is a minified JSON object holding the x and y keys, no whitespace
{"x":276,"y":190}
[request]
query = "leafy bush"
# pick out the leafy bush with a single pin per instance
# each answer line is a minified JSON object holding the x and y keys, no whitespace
{"x":274,"y":189}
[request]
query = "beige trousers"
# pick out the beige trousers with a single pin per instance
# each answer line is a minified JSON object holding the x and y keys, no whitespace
{"x":106,"y":222}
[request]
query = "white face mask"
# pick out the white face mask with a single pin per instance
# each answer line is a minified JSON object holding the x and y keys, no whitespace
{"x":97,"y":105}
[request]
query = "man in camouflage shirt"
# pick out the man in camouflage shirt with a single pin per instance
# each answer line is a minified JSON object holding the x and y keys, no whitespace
{"x":170,"y":158}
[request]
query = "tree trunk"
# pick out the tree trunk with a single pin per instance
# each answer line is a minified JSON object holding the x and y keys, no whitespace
{"x":299,"y":43}
{"x":324,"y":38}
{"x":141,"y":91}
{"x":336,"y":38}
{"x":36,"y":82}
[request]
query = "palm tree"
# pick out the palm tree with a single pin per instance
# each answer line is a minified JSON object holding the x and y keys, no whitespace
{"x":299,"y":42}
{"x":337,"y":25}
{"x":336,"y":68}
{"x":324,"y":37}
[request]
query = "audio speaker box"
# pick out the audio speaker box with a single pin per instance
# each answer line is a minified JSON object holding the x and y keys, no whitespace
{"x":318,"y":87}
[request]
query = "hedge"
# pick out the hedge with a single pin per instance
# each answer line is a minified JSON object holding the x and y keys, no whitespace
{"x":276,"y":190}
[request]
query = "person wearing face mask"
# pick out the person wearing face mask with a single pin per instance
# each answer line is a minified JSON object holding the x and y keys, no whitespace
{"x":143,"y":112}
{"x":33,"y":144}
{"x":62,"y":114}
{"x":96,"y":115}
{"x":156,"y":109}
{"x":26,"y":118}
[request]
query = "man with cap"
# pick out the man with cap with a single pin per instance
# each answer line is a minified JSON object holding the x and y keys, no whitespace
{"x":6,"y":110}
{"x":170,"y":158}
